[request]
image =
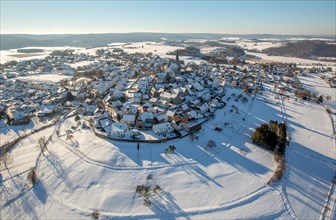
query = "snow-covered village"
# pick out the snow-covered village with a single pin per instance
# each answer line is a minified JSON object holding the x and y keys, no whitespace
{"x":167,"y":110}
{"x":169,"y":136}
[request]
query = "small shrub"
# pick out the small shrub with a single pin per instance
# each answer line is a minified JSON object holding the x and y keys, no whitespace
{"x":244,"y":100}
{"x":281,"y":168}
{"x":150,"y":176}
{"x":279,"y":171}
{"x":42,"y":144}
{"x":328,"y":111}
{"x":319,"y":99}
{"x":147,"y":192}
{"x":139,"y":189}
{"x":32,"y":177}
{"x":170,"y":149}
{"x":69,"y":136}
{"x":95,"y":214}
{"x":277,"y":157}
{"x":211,"y":144}
{"x":143,"y":190}
{"x":157,"y":188}
{"x":147,"y":202}
{"x":77,"y":118}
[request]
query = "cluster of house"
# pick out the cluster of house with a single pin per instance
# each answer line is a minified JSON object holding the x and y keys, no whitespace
{"x":59,"y":64}
{"x":129,"y":93}
{"x":21,"y":100}
{"x":158,"y":95}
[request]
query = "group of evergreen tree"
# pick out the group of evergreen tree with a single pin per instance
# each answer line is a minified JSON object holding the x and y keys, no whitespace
{"x":272,"y":136}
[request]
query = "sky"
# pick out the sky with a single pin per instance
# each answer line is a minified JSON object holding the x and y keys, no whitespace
{"x":169,"y":16}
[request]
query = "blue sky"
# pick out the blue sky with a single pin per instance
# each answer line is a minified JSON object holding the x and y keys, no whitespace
{"x":231,"y":17}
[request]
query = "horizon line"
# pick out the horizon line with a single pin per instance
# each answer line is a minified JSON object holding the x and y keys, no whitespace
{"x":151,"y":32}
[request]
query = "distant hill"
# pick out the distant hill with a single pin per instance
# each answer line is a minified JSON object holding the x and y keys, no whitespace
{"x":14,"y":41}
{"x":304,"y":49}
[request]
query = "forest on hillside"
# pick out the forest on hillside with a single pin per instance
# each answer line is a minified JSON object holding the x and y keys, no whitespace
{"x":304,"y":49}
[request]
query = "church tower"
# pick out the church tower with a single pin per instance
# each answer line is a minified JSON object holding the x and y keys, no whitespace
{"x":178,"y":61}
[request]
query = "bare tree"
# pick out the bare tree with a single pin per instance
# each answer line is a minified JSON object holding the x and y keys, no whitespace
{"x":170,"y":149}
{"x":69,"y":136}
{"x":95,"y":214}
{"x":211,"y":144}
{"x":192,"y":136}
{"x":32,"y":177}
{"x":5,"y":159}
{"x":156,"y":188}
{"x":146,"y":192}
{"x":41,"y":144}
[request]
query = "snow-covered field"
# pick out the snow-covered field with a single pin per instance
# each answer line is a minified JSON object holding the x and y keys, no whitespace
{"x":10,"y":132}
{"x":156,"y":48}
{"x":80,"y":63}
{"x":311,"y":155}
{"x":161,"y":50}
{"x":6,"y":55}
{"x":9,"y":55}
{"x":44,"y":78}
{"x":87,"y":173}
{"x":250,"y":45}
{"x":265,"y":57}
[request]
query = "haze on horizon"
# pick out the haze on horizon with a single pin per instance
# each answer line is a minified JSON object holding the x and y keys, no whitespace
{"x":223,"y":17}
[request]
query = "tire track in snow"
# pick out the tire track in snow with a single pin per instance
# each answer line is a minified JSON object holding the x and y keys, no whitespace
{"x":219,"y":150}
{"x":236,"y":203}
{"x":329,"y":206}
{"x":110,"y":166}
{"x":282,"y":190}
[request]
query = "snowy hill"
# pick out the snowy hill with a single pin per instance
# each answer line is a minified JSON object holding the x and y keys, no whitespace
{"x":86,"y":173}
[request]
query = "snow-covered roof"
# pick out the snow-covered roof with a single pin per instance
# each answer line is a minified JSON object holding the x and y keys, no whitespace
{"x":46,"y":111}
{"x":105,"y":122}
{"x":146,"y":115}
{"x":162,"y":117}
{"x":18,"y":115}
{"x":170,"y":113}
{"x":192,"y":114}
{"x":161,"y":126}
{"x":130,"y":118}
{"x":184,"y":107}
{"x":119,"y":127}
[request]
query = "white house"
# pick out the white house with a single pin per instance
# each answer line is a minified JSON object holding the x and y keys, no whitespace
{"x":137,"y":97}
{"x":119,"y":129}
{"x":147,"y":117}
{"x":204,"y":108}
{"x":129,"y":120}
{"x":161,"y":77}
{"x":47,"y":111}
{"x":170,"y":114}
{"x":197,"y":86}
{"x":162,"y":128}
{"x":162,"y":118}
